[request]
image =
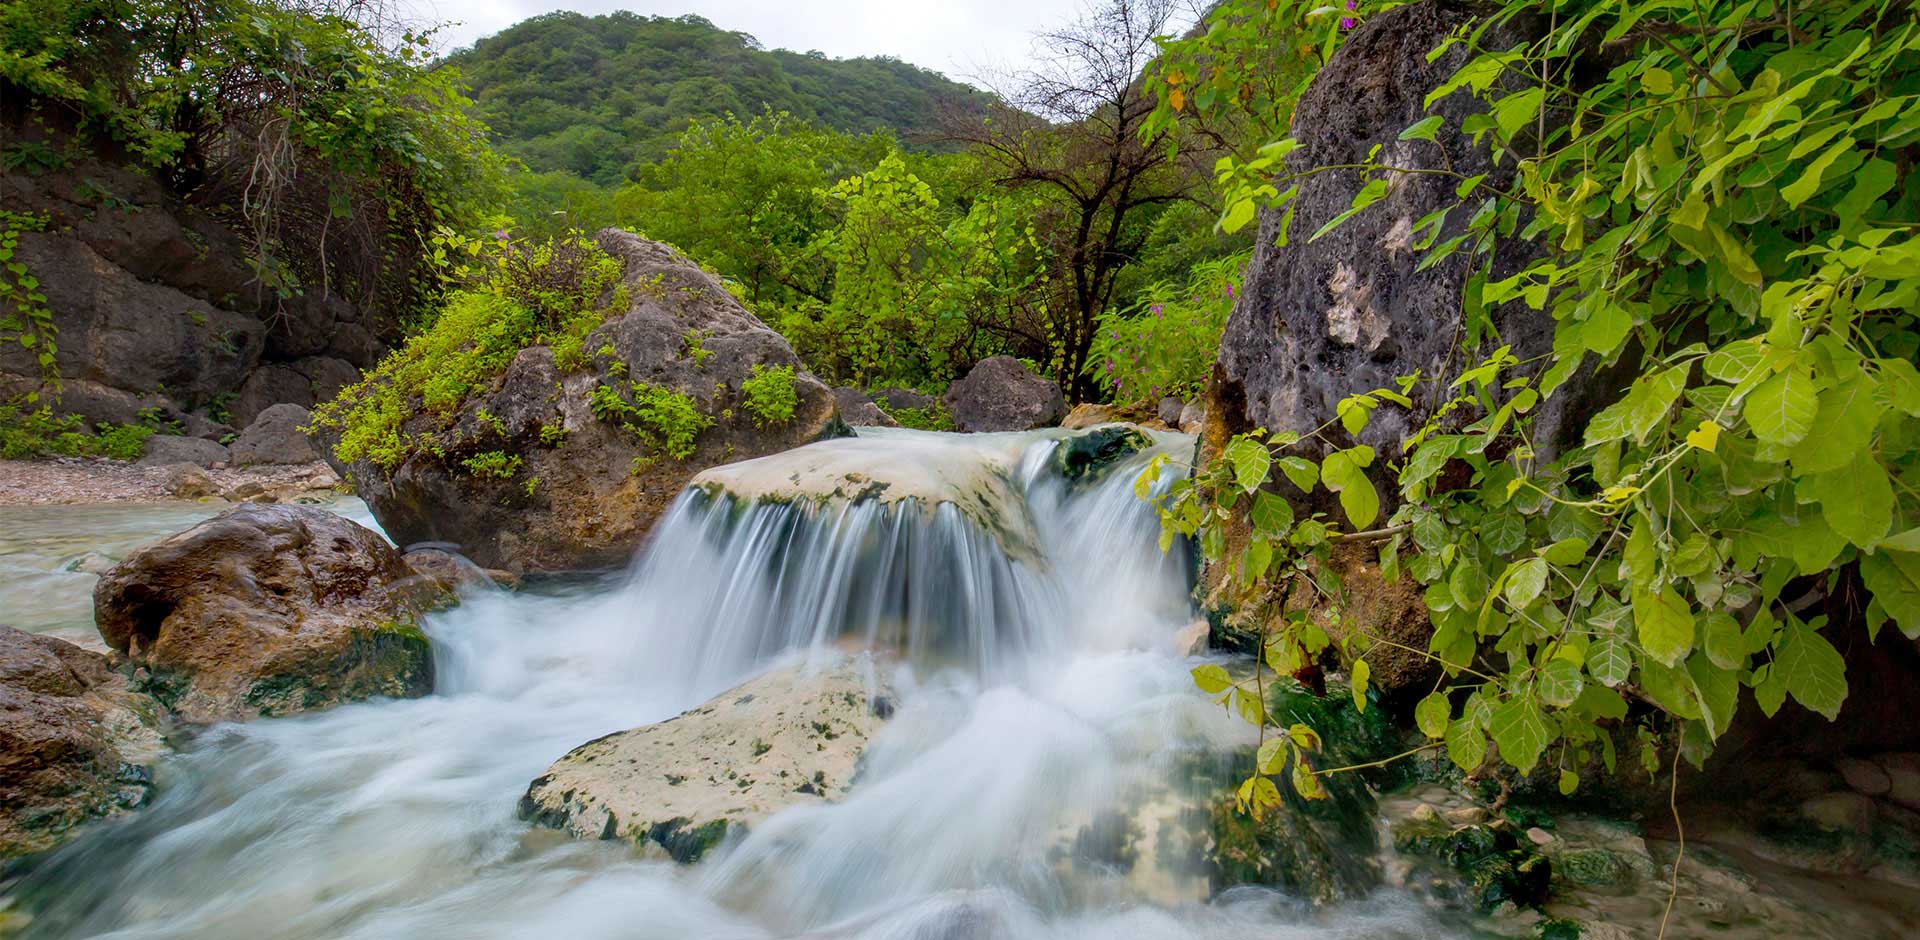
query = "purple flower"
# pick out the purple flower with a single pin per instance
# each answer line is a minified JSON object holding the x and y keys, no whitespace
{"x":500,"y":234}
{"x":1348,"y":22}
{"x":1229,"y":290}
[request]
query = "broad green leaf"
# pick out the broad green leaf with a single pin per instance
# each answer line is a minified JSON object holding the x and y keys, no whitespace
{"x":1718,"y":692}
{"x":1569,"y":782}
{"x":1722,"y":639}
{"x":1857,"y":499}
{"x":1255,"y":559}
{"x":1423,"y":129}
{"x":1845,"y":421}
{"x":1560,"y":683}
{"x":1250,"y":462}
{"x":1432,"y":714}
{"x":1466,"y":746}
{"x":1601,"y":702}
{"x":1211,"y":679}
{"x":1271,"y":514}
{"x":1814,"y":673}
{"x":1248,"y":705}
{"x":1358,"y":680}
{"x":1781,"y":410}
{"x":1734,"y":361}
{"x":1342,"y":472}
{"x":1900,"y":381}
{"x":1610,"y":660}
{"x":1665,"y":624}
{"x":1802,"y":189}
{"x":1301,"y":471}
{"x":1503,"y":532}
{"x":1893,"y":578}
{"x":1306,"y":783}
{"x":1566,"y":552}
{"x":1522,"y":733}
{"x":1272,"y":757}
{"x":1525,"y":580}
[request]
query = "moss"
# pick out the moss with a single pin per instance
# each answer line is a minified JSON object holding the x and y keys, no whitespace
{"x":1088,"y":457}
{"x":1495,"y":863}
{"x":686,"y":843}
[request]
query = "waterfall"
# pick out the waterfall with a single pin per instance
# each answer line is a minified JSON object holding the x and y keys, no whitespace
{"x":1020,"y":594}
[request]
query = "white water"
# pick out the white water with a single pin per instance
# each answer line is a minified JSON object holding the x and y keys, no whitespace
{"x":1043,"y":693}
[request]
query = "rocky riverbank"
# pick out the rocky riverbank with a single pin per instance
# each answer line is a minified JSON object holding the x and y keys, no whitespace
{"x":73,"y":480}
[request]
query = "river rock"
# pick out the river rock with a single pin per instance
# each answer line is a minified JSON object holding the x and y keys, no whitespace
{"x":188,"y":481}
{"x":1088,"y":415}
{"x":165,"y":449}
{"x":894,"y":399}
{"x":790,"y":737}
{"x":582,"y":490}
{"x":857,"y":408}
{"x":275,"y":438}
{"x":1323,"y":318}
{"x":1864,"y":776}
{"x":1001,"y":394}
{"x":75,"y":742}
{"x":265,"y":610}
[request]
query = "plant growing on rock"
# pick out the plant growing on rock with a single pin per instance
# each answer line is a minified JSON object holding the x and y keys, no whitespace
{"x":1713,"y":210}
{"x":667,"y":420}
{"x":769,"y":395}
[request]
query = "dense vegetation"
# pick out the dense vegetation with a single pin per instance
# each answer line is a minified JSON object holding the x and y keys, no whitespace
{"x":596,"y":97}
{"x":1712,"y":192}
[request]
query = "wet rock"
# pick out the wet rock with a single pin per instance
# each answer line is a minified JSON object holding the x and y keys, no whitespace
{"x":894,"y":399}
{"x":1864,"y":776}
{"x":1087,"y":457}
{"x":1192,"y":639}
{"x":275,"y":438}
{"x":583,"y":488}
{"x":75,"y":742}
{"x":1193,"y":417}
{"x":1001,"y":394}
{"x":1325,"y":318}
{"x":188,"y":481}
{"x":789,"y":737}
{"x":1488,"y":864}
{"x":448,"y":572}
{"x":1840,"y":811}
{"x":857,"y":409}
{"x":265,"y":610}
{"x":165,"y":449}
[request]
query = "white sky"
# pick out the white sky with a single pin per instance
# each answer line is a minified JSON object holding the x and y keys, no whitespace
{"x":962,"y":38}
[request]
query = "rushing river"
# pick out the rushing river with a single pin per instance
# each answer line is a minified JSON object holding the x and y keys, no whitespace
{"x":1043,"y":685}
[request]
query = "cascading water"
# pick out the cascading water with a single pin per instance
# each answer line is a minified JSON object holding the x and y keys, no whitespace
{"x":1032,"y":613}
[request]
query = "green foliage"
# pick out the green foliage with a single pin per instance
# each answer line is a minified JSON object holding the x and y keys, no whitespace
{"x":935,"y":418}
{"x":1716,"y":211}
{"x":516,"y":294}
{"x":594,"y":95}
{"x":1167,"y":345}
{"x":336,"y":154}
{"x":27,"y":431}
{"x":769,"y":395}
{"x":24,"y":315}
{"x":493,"y":464}
{"x":666,"y":420}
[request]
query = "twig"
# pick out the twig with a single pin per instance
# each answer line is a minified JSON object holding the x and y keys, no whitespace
{"x":1371,"y":535}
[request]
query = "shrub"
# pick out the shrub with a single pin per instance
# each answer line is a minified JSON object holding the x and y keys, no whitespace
{"x":770,"y":395}
{"x":668,"y":421}
{"x":923,"y":419}
{"x":1166,"y":344}
{"x":493,"y":464}
{"x":26,"y":431}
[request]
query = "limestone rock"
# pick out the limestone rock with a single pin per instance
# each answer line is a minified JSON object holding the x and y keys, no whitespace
{"x":1193,"y":417}
{"x":166,"y":449}
{"x":857,"y":408}
{"x":1001,"y":394}
{"x":265,"y":610}
{"x":586,"y":489}
{"x":790,"y":737}
{"x":187,"y":481}
{"x":275,"y":438}
{"x":74,"y":741}
{"x":1090,"y":415}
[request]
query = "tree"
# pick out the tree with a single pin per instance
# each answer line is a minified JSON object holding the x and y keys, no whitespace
{"x":1071,"y":127}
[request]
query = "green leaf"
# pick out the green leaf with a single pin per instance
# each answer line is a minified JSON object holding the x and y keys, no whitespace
{"x":1212,"y":679}
{"x":1271,"y":514}
{"x":1560,"y":683}
{"x":1814,"y":673}
{"x":1466,"y":746}
{"x":1802,"y":189}
{"x":1525,"y":580}
{"x":1358,"y":679}
{"x":1423,"y":129}
{"x":1503,"y":532}
{"x":1857,"y":499}
{"x":1717,"y":691}
{"x":1665,"y":623}
{"x":1343,"y":473}
{"x":1255,"y":559}
{"x":1846,"y":418}
{"x":1734,"y":361}
{"x":1431,"y":715}
{"x":1724,"y":644}
{"x":1272,"y":757}
{"x":1566,"y":552}
{"x":1301,"y":471}
{"x":1781,"y":410}
{"x":1250,"y":462}
{"x":1372,"y":192}
{"x":1610,"y":660}
{"x":1893,"y":578}
{"x":1522,"y":733}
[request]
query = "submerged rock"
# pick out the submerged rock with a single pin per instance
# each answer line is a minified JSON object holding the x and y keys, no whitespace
{"x":1001,"y":394}
{"x":556,"y":469}
{"x":75,"y":742}
{"x":265,"y":610}
{"x":789,"y":737}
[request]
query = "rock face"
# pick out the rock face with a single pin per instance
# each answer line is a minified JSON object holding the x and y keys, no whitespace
{"x":1000,"y":394}
{"x":789,"y":737}
{"x":583,"y":487}
{"x":157,"y":307}
{"x":857,"y":409}
{"x":275,"y":438}
{"x":74,"y":741}
{"x":265,"y":610}
{"x":1322,"y":319}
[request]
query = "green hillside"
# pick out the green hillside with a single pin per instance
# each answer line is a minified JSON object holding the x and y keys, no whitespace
{"x":594,"y":95}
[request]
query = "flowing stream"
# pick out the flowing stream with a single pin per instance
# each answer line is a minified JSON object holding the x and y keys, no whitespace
{"x":1038,"y":688}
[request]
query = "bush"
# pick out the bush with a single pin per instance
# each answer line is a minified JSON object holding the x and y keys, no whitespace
{"x":26,"y":431}
{"x":1166,"y":345}
{"x":517,"y":294}
{"x":770,"y":396}
{"x":668,"y":421}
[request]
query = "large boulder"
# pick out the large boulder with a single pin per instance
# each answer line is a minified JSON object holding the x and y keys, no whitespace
{"x":790,"y":737}
{"x":1321,"y":319}
{"x":168,"y":449}
{"x":75,"y":742}
{"x":1001,"y":394}
{"x":571,"y":486}
{"x":275,"y":438}
{"x":266,"y":610}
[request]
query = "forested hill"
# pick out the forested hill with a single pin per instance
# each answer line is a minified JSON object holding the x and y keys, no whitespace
{"x":591,"y":95}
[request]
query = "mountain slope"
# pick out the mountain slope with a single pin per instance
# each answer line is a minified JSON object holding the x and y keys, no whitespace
{"x":592,"y":95}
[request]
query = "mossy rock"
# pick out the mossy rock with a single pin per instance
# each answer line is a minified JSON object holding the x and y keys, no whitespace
{"x":1088,"y":457}
{"x":1493,"y":864}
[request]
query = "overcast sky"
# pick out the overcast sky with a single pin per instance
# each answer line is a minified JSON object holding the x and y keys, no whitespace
{"x":962,"y":38}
